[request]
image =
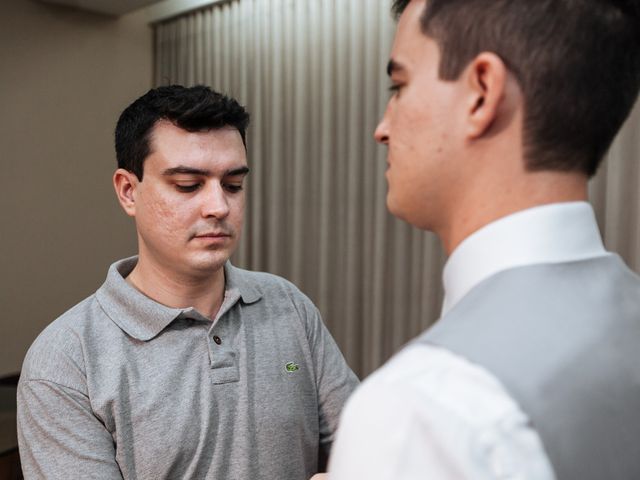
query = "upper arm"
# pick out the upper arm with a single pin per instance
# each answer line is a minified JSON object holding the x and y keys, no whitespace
{"x":335,"y":381}
{"x":435,"y":415}
{"x":59,"y":436}
{"x":58,"y":433}
{"x":380,"y":438}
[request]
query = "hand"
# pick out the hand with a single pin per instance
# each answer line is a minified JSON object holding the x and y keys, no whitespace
{"x":320,"y":476}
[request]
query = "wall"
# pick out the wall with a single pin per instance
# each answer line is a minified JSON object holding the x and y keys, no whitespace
{"x":64,"y":77}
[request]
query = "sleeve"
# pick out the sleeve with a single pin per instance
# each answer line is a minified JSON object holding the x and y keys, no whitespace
{"x":335,"y":380}
{"x":452,"y":422}
{"x":58,"y":434}
{"x":379,"y":440}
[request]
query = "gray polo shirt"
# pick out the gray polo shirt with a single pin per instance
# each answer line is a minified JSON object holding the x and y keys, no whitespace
{"x":121,"y":386}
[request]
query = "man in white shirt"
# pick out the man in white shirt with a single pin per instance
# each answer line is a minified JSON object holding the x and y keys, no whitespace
{"x":501,"y":111}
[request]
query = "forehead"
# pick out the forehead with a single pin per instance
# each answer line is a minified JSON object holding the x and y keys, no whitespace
{"x":411,"y":47}
{"x":409,"y":23}
{"x":211,"y":149}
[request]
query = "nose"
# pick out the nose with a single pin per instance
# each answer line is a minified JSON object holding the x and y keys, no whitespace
{"x":215,"y":202}
{"x":381,"y":133}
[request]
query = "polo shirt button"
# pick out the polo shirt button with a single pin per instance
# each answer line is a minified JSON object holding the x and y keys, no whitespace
{"x":217,"y":339}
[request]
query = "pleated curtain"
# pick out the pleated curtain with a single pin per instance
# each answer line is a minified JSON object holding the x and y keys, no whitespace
{"x":312,"y":75}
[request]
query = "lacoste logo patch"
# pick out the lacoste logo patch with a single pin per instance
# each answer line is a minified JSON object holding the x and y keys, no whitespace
{"x":292,"y":367}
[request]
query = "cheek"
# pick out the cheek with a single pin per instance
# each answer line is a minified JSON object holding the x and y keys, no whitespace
{"x":410,"y":127}
{"x":237,"y":212}
{"x":162,"y":214}
{"x":420,"y":136}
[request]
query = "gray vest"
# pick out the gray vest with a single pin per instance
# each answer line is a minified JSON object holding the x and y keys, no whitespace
{"x":564,"y":340}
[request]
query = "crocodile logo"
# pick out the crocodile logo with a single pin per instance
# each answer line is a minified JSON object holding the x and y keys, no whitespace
{"x":291,"y":367}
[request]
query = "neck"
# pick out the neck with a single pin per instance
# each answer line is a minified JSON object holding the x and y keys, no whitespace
{"x":493,"y":200}
{"x":176,"y":290}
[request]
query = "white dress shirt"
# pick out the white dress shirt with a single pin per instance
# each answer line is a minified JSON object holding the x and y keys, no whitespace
{"x":431,"y":414}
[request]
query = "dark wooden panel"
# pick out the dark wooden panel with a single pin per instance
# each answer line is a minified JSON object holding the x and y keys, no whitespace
{"x":10,"y":466}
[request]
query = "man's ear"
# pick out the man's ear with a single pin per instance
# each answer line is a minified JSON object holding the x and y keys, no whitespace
{"x":125,"y":184}
{"x":486,"y":78}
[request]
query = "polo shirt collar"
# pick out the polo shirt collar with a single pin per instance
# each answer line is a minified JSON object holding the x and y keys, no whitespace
{"x":237,"y":279}
{"x":142,"y":317}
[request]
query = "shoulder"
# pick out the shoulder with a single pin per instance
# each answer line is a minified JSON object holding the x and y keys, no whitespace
{"x":57,"y":354}
{"x":434,"y":411}
{"x":279,"y":303}
{"x":426,"y":382}
{"x":263,"y":281}
{"x":271,"y":288}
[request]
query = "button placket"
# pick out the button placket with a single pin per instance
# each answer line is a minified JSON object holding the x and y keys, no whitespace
{"x":224,"y":357}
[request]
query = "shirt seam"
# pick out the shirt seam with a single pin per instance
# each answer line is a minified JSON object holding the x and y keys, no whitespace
{"x":44,"y":380}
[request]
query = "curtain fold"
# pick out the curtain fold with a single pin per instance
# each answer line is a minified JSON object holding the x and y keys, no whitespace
{"x":312,"y":74}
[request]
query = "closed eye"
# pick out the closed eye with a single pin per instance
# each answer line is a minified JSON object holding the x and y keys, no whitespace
{"x":188,"y":188}
{"x":232,"y":188}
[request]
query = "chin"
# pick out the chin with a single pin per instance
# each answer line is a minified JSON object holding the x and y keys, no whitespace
{"x":412,"y":216}
{"x":208,"y":264}
{"x":393,"y":206}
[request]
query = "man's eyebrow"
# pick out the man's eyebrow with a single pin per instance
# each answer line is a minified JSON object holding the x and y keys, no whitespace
{"x":236,"y":171}
{"x":185,"y":170}
{"x":393,"y":66}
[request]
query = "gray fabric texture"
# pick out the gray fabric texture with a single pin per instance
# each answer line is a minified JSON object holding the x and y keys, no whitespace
{"x":123,"y":387}
{"x":563,"y":339}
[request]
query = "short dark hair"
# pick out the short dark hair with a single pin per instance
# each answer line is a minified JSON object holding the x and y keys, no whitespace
{"x":193,"y":109}
{"x":577,"y":63}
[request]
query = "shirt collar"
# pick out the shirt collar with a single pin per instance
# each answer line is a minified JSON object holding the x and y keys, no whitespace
{"x":143,"y":318}
{"x":554,"y":233}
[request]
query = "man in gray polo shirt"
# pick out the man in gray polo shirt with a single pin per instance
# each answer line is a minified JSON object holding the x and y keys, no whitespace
{"x":181,"y":365}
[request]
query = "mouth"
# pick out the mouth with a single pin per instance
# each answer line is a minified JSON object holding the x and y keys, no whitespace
{"x":212,"y":236}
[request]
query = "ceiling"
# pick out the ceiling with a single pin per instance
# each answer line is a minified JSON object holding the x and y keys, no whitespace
{"x":109,"y":7}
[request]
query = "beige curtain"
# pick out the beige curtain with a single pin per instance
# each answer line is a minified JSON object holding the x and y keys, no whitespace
{"x":615,"y":193}
{"x":312,"y":74}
